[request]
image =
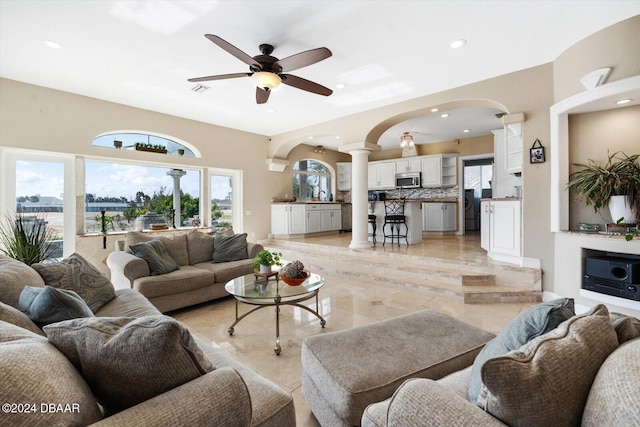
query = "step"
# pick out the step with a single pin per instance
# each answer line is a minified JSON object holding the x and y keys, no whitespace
{"x":470,"y":282}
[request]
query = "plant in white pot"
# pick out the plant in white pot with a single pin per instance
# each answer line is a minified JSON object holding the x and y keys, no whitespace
{"x":615,"y":185}
{"x":265,"y":259}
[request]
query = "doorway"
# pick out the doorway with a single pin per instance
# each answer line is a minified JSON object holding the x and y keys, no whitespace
{"x":477,"y":177}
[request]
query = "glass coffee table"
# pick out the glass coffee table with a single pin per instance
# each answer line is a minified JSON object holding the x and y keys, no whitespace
{"x":273,"y":292}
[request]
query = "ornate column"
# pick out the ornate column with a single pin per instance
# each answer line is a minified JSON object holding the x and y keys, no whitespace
{"x":359,"y":186}
{"x":176,"y":174}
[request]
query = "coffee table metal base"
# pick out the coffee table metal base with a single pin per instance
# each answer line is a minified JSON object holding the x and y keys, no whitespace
{"x":277,"y":302}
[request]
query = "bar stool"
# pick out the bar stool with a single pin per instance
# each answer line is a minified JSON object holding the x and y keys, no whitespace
{"x":374,"y":226}
{"x":394,"y":216}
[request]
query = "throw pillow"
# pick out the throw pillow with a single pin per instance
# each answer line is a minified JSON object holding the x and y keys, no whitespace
{"x":49,"y":305}
{"x":156,"y":256}
{"x":627,"y":327}
{"x":230,"y":248}
{"x":13,"y":276}
{"x":14,"y":316}
{"x":128,"y":360}
{"x":200,"y":247}
{"x":34,"y":371}
{"x":78,"y":275}
{"x":531,"y":323}
{"x":176,"y":246}
{"x":547,"y":381}
{"x":226,"y":231}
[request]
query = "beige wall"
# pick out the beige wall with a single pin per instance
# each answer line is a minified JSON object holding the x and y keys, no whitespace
{"x":617,"y":47}
{"x":39,"y":118}
{"x":591,"y":136}
{"x":465,"y":147}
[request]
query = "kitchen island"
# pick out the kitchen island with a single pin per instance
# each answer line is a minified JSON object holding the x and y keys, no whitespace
{"x":413,"y":213}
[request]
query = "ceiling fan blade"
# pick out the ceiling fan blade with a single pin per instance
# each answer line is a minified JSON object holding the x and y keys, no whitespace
{"x":304,"y":84}
{"x":219,"y":77}
{"x":303,"y":59}
{"x":262,"y":96}
{"x":234,"y":51}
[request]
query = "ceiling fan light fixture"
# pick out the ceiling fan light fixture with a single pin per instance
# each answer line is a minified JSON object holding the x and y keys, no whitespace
{"x":406,"y":140}
{"x":266,"y":80}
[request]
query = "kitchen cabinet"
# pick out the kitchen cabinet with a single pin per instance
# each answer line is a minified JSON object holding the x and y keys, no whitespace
{"x":513,"y":147}
{"x":303,"y":218}
{"x":503,"y":182}
{"x":439,"y":170}
{"x":381,"y":175}
{"x":439,"y":216}
{"x":409,"y":165}
{"x":344,"y":176}
{"x":288,"y":219}
{"x":501,"y":226}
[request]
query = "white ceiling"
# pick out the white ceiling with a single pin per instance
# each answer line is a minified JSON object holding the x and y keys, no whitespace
{"x":141,"y":53}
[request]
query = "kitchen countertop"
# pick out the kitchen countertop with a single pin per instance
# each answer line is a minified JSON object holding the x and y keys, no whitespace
{"x":307,"y":203}
{"x":501,"y":199}
{"x":431,"y":200}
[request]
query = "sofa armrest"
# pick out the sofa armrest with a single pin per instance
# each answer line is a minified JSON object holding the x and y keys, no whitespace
{"x":125,"y":268}
{"x":425,"y":402}
{"x":219,"y":398}
{"x":253,"y":249}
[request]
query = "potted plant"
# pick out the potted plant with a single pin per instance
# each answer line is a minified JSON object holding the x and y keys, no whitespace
{"x":616,"y":185}
{"x":27,"y":240}
{"x":265,"y":259}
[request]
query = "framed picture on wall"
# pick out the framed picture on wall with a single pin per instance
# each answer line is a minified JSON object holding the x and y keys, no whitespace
{"x":536,"y":153}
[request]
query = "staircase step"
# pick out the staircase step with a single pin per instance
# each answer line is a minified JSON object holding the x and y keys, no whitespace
{"x":470,"y":282}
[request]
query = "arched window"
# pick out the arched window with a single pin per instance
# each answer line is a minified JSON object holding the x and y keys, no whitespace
{"x":311,"y":180}
{"x":143,"y":142}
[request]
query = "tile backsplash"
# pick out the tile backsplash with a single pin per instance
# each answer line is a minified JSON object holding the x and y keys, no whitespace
{"x":413,"y":193}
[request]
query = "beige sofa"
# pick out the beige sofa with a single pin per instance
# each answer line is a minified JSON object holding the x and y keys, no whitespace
{"x":579,"y":374}
{"x":197,"y":279}
{"x":35,"y":372}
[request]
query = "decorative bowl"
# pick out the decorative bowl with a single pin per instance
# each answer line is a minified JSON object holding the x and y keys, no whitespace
{"x":291,"y":281}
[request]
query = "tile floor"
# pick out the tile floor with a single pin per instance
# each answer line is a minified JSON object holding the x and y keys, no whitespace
{"x":344,"y":304}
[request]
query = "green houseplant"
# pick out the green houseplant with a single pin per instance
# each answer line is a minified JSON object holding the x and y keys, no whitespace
{"x":265,"y":260}
{"x":596,"y":184}
{"x":28,"y":241}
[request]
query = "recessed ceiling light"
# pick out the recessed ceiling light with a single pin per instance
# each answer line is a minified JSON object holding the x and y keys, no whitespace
{"x":434,"y":110}
{"x":52,"y":44}
{"x":457,"y":43}
{"x":623,"y":101}
{"x":271,"y":110}
{"x":341,"y":86}
{"x":337,"y":137}
{"x":444,"y":115}
{"x":310,"y":137}
{"x":466,"y":130}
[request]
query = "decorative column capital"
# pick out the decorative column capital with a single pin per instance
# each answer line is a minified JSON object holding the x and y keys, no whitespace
{"x":357,"y":146}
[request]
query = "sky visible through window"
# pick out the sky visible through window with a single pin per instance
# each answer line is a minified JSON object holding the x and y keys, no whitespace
{"x":109,"y":180}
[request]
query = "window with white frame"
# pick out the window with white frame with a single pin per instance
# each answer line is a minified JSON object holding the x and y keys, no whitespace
{"x":311,"y":180}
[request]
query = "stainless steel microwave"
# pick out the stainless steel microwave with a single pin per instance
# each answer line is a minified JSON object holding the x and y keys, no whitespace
{"x":408,"y":180}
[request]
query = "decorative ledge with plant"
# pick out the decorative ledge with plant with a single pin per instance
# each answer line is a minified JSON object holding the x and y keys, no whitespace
{"x":615,"y":185}
{"x":265,"y":259}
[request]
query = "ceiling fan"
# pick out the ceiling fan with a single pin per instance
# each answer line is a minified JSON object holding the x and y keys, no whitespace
{"x":268,"y":71}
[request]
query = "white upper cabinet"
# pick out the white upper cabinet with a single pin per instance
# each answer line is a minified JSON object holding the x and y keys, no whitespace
{"x":344,"y":176}
{"x":439,"y":170}
{"x":513,"y":128}
{"x":412,"y":164}
{"x":382,"y":175}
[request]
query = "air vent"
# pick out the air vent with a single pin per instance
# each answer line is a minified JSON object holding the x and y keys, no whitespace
{"x":199,"y":88}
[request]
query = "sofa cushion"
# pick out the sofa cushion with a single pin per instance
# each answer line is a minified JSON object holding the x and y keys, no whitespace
{"x":77,"y":274}
{"x":15,"y":275}
{"x":155,"y":254}
{"x":225,"y":271}
{"x":176,"y":246}
{"x":531,"y":323}
{"x":547,"y":381}
{"x":627,"y":327}
{"x":230,"y":248}
{"x":179,"y":281}
{"x":49,"y":305}
{"x":613,"y":399}
{"x":200,"y":247}
{"x":33,"y":371}
{"x":14,"y":316}
{"x":127,"y":360}
{"x":128,"y":303}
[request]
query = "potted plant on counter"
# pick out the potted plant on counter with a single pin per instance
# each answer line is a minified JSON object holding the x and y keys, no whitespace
{"x":265,"y":259}
{"x":615,"y":185}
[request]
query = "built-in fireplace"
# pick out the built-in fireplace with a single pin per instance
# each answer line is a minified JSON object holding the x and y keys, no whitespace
{"x":612,"y":273}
